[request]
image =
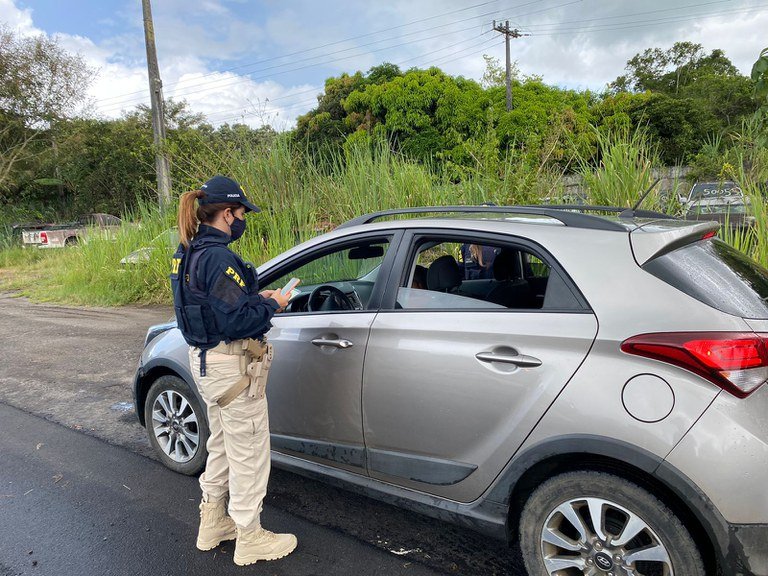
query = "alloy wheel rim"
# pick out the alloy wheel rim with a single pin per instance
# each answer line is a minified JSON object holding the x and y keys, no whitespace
{"x":597,"y":537}
{"x":175,"y":426}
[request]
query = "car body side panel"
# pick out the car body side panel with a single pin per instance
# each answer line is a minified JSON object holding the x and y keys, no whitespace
{"x":726,"y":454}
{"x":314,"y":392}
{"x":628,"y":302}
{"x":439,"y":420}
{"x":594,"y":403}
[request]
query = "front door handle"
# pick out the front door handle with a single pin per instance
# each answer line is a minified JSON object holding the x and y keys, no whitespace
{"x":335,"y":342}
{"x":517,"y":359}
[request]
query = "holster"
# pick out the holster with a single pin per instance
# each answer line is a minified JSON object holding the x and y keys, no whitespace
{"x":255,"y":362}
{"x":258,"y":372}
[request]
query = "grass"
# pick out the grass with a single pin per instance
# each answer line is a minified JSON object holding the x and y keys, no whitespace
{"x":90,"y":273}
{"x":301,"y":199}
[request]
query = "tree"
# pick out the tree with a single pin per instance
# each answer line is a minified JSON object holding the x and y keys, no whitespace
{"x":423,"y":111}
{"x":680,"y":126}
{"x":382,"y":73}
{"x":325,"y":125}
{"x":760,"y":78}
{"x":670,"y":70}
{"x":39,"y":81}
{"x":40,"y":84}
{"x":495,"y":74}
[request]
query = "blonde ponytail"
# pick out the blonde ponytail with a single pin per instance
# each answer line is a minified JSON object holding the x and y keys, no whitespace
{"x":188,"y":221}
{"x":477,"y":254}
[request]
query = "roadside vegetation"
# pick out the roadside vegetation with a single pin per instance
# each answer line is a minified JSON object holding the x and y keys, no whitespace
{"x":384,"y":139}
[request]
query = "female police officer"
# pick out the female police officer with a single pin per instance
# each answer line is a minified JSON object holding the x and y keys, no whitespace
{"x":223,"y":319}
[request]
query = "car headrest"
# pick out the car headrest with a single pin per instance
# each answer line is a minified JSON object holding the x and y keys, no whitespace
{"x":506,"y":266}
{"x":444,"y":274}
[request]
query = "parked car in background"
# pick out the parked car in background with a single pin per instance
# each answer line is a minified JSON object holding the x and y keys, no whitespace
{"x":722,"y":202}
{"x":601,"y":397}
{"x":68,"y":234}
{"x":167,"y":241}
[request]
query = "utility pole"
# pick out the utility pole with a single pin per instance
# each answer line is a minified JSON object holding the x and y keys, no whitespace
{"x":158,"y":114}
{"x":515,"y":33}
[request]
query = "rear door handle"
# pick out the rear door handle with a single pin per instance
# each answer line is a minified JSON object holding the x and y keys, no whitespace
{"x":517,"y":359}
{"x":334,"y":342}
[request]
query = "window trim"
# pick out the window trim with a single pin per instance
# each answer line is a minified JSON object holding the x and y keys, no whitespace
{"x":394,"y":237}
{"x":407,"y":252}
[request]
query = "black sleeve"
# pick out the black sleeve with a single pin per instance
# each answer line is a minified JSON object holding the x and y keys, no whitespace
{"x":238,"y":313}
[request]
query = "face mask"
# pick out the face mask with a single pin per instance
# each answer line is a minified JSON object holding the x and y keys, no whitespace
{"x":236,"y":229}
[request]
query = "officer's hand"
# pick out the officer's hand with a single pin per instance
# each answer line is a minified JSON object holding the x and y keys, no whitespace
{"x":280,"y":298}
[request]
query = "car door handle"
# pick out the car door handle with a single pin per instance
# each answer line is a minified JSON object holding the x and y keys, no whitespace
{"x":336,"y":343}
{"x":517,"y":359}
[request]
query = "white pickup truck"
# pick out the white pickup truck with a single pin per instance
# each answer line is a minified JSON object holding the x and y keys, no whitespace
{"x":68,"y":234}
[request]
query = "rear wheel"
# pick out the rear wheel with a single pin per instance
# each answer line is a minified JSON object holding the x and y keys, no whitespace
{"x":176,"y":425}
{"x":598,"y":524}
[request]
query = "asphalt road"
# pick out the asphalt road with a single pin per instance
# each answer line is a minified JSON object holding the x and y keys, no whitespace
{"x":74,"y":441}
{"x":73,"y":505}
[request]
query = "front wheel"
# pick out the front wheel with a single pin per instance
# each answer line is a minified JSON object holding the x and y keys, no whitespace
{"x":176,"y":425}
{"x":595,"y":524}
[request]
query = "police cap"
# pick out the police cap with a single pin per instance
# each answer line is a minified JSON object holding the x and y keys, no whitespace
{"x":221,"y":189}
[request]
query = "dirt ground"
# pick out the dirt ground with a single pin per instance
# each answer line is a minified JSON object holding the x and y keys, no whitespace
{"x":75,"y":366}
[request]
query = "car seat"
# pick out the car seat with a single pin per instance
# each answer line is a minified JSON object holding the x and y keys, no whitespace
{"x":510,"y":290}
{"x":444,"y":274}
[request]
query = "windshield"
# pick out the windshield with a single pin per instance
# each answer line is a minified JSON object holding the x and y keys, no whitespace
{"x":717,"y":275}
{"x":718,"y":209}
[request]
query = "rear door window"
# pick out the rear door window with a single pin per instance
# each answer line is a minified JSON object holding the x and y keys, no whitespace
{"x":717,"y":275}
{"x":450,"y":273}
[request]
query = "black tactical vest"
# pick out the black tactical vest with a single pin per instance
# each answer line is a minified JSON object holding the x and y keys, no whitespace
{"x":194,"y":315}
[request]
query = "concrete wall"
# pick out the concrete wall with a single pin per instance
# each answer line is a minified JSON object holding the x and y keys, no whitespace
{"x":671,"y":177}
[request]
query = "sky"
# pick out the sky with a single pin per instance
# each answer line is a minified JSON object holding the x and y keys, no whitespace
{"x":265,"y":61}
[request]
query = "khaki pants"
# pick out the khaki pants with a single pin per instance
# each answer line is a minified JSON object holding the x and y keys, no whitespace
{"x":238,"y":447}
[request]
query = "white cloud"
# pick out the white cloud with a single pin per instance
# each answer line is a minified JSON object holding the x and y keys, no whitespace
{"x":19,"y":20}
{"x":120,"y":82}
{"x":195,"y":39}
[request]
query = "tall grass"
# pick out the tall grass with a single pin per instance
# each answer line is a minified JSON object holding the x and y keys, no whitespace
{"x":626,"y":164}
{"x":91,"y":272}
{"x":300,"y":199}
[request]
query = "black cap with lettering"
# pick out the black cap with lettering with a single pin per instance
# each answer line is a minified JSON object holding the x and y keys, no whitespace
{"x":221,"y":189}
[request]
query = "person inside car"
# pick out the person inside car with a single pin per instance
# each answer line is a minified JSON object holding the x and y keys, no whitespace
{"x":478,"y":261}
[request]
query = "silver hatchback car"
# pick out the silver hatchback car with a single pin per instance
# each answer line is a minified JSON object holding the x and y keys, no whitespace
{"x":591,"y":385}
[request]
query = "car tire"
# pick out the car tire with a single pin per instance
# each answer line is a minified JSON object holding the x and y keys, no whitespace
{"x":558,"y":537}
{"x":176,"y":425}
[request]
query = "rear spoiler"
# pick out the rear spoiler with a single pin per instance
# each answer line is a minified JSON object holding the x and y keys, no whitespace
{"x":649,"y":241}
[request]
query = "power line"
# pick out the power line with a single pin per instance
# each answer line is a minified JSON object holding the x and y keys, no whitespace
{"x":400,"y":63}
{"x":441,"y":58}
{"x":124,"y":99}
{"x":557,"y":31}
{"x":543,"y":29}
{"x":481,"y":45}
{"x":303,"y":51}
{"x":226,"y":82}
{"x":196,"y":83}
{"x":677,"y":8}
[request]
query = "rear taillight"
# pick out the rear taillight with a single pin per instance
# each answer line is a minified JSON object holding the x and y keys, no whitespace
{"x":735,"y":361}
{"x":43,"y":238}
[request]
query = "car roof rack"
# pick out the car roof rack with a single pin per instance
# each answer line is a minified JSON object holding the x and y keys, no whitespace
{"x":569,"y":214}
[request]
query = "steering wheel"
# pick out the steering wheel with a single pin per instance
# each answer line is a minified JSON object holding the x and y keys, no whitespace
{"x":328,"y":297}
